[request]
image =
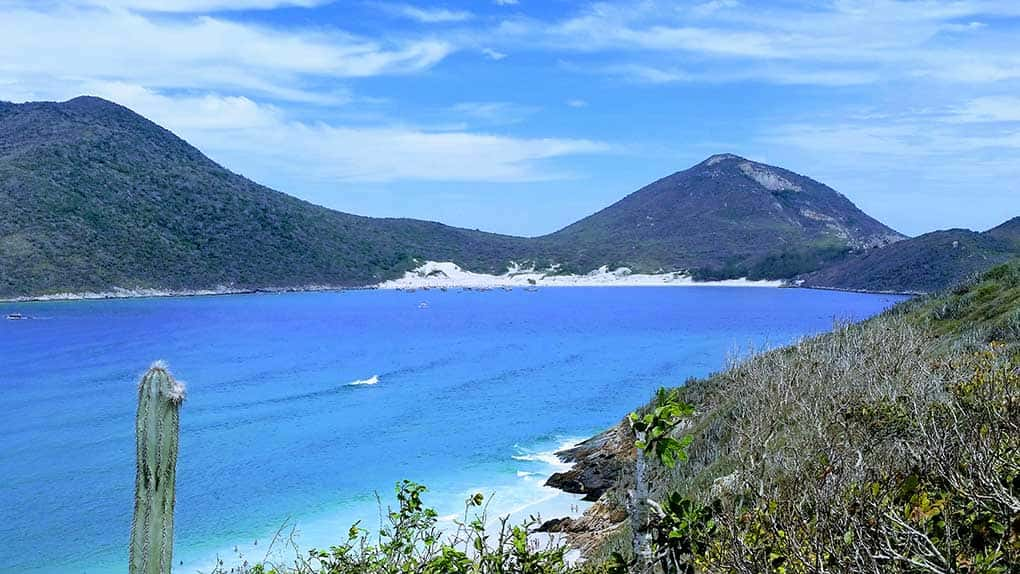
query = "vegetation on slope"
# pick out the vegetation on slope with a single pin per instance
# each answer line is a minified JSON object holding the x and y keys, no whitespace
{"x":94,"y":196}
{"x":725,"y":217}
{"x":923,"y":264}
{"x":887,"y":446}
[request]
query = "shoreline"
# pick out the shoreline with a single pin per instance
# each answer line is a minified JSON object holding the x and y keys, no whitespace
{"x":864,"y":291}
{"x":447,"y":275}
{"x":431,"y":275}
{"x":118,"y":293}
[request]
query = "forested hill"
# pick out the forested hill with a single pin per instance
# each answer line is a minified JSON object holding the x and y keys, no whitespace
{"x":95,"y":197}
{"x":923,"y":264}
{"x":725,"y":217}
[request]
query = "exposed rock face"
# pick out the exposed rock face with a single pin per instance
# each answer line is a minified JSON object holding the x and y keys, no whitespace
{"x":598,"y":463}
{"x":600,"y":467}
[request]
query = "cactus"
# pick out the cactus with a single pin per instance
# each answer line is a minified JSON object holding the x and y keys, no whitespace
{"x":157,"y":430}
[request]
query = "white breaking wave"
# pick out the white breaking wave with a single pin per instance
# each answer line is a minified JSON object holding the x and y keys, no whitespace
{"x":369,"y":381}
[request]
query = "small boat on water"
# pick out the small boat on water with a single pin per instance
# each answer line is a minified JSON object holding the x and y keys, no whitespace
{"x":15,"y":317}
{"x":423,"y":305}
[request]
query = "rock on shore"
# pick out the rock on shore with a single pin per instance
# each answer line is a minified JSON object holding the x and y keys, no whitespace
{"x":597,"y":463}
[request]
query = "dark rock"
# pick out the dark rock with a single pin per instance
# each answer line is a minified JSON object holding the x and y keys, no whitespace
{"x":598,"y":463}
{"x":557,"y":525}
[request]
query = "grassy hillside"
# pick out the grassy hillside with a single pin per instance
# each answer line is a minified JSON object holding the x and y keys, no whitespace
{"x":887,"y":446}
{"x":94,"y":196}
{"x":923,"y":264}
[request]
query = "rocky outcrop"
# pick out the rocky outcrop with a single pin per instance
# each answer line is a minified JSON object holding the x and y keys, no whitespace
{"x":598,"y":463}
{"x":599,"y":472}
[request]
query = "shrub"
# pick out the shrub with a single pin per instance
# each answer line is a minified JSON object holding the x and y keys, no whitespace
{"x":410,"y":542}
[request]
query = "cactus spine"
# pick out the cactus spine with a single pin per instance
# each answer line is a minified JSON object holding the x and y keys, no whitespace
{"x":157,"y":430}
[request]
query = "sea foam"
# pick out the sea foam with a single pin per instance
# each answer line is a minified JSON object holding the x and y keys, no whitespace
{"x":369,"y":381}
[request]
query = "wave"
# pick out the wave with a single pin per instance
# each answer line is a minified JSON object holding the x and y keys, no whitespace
{"x":369,"y":381}
{"x":547,"y":457}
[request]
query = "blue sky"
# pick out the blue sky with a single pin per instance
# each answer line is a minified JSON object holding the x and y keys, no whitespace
{"x":521,"y":116}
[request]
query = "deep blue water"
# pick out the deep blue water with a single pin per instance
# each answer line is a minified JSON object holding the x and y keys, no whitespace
{"x":472,"y":390}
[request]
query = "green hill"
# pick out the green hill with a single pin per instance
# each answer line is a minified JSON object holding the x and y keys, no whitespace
{"x":94,"y":197}
{"x":922,"y":264}
{"x":725,"y":217}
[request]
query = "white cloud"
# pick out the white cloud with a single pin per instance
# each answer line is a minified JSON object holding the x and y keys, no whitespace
{"x":389,"y":154}
{"x":493,"y":112}
{"x":493,"y":54}
{"x":770,"y":73}
{"x":988,"y":109}
{"x":261,"y":141}
{"x":197,"y":6}
{"x":577,"y":103}
{"x":426,"y":15}
{"x":202,"y":53}
{"x":835,"y":43}
{"x":506,"y":2}
{"x":712,"y":6}
{"x":189,"y":114}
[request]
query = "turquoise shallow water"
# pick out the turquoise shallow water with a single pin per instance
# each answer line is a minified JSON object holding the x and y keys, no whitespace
{"x":473,"y":392}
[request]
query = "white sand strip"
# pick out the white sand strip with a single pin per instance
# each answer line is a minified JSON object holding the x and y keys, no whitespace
{"x":435,"y":274}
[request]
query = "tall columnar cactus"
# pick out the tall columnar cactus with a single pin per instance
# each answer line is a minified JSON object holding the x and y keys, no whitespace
{"x":157,"y":430}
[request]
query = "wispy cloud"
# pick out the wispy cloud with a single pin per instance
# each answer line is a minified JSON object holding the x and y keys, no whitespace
{"x":840,"y":42}
{"x":426,"y":15}
{"x":493,"y":54}
{"x":913,"y":166}
{"x":194,"y":6}
{"x":255,"y":138}
{"x":494,"y":113}
{"x":988,"y":109}
{"x":202,"y":52}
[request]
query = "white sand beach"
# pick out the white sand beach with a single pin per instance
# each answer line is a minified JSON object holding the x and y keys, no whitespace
{"x":436,"y":274}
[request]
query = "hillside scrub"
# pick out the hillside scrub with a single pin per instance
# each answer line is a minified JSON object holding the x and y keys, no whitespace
{"x":887,"y":446}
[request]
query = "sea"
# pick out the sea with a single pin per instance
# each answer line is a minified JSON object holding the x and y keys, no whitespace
{"x":304,"y":410}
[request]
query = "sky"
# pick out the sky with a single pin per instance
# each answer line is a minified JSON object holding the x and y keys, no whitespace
{"x":522,"y":116}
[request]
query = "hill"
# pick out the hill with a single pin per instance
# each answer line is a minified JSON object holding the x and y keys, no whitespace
{"x":923,"y":264}
{"x":94,"y":196}
{"x":1009,"y":232}
{"x":725,"y":217}
{"x":886,"y":446}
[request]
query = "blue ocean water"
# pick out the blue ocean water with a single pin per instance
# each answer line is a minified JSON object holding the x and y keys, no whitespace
{"x":473,"y":391}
